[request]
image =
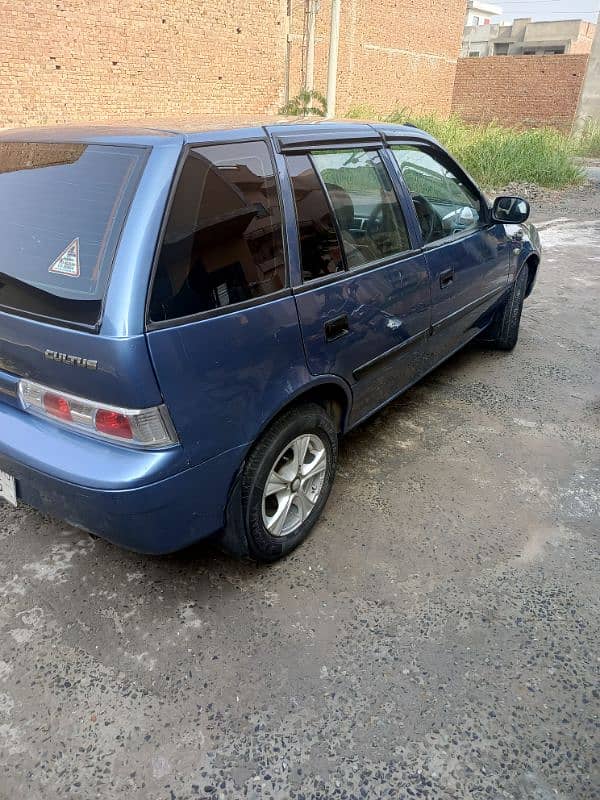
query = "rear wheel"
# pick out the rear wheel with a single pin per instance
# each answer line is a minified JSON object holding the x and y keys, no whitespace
{"x":287,"y":480}
{"x":503,"y":334}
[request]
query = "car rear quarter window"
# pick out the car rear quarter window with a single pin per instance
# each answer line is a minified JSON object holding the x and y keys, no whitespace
{"x":223,"y":242}
{"x":320,"y":249}
{"x":368,"y":214}
{"x":62,"y":208}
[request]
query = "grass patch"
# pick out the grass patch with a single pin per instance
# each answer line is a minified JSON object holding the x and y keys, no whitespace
{"x":588,"y":142}
{"x":496,"y":156}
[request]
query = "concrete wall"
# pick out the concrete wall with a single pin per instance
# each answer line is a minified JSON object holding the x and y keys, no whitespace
{"x":519,"y":90}
{"x":579,"y":33}
{"x":70,"y":60}
{"x":575,"y":36}
{"x":589,"y":100}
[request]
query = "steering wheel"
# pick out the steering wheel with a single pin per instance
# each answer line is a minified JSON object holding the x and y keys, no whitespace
{"x":428,"y":217}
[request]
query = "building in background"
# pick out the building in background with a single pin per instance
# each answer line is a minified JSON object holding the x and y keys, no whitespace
{"x":523,"y":37}
{"x":479,"y":13}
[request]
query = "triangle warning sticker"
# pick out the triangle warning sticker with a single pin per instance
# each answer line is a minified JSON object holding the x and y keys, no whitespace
{"x":68,"y":261}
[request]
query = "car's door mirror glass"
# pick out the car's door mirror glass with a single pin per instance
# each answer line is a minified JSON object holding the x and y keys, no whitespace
{"x":510,"y":209}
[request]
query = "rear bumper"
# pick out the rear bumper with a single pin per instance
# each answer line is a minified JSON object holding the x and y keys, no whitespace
{"x":119,"y":494}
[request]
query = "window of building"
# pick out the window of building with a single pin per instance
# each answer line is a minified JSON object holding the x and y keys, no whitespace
{"x":320,"y":248}
{"x":501,"y":49}
{"x":528,"y":52}
{"x":474,"y":54}
{"x":367,"y":211}
{"x":444,"y":204}
{"x":223,"y":242}
{"x":475,"y":19}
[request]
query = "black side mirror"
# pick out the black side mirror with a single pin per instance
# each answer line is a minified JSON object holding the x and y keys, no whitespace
{"x":510,"y":209}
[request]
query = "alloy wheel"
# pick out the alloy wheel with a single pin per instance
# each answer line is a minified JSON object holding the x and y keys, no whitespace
{"x":294,"y":484}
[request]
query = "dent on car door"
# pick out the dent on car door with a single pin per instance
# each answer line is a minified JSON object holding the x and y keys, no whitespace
{"x":364,"y":305}
{"x":467,"y":257}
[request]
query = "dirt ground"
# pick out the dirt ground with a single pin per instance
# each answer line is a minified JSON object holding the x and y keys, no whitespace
{"x":437,"y":637}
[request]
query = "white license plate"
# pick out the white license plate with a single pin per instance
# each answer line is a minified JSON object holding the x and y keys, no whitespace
{"x":8,"y":488}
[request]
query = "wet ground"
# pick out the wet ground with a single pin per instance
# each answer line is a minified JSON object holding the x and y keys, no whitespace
{"x":437,"y":637}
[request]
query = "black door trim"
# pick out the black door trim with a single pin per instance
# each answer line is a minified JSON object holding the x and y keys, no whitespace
{"x":316,"y":139}
{"x":361,"y":371}
{"x":461,"y":312}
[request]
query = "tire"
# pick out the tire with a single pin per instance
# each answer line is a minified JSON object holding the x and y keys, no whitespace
{"x":503,"y":334}
{"x":303,"y":441}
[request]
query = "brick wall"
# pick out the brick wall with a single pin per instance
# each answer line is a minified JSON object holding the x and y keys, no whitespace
{"x":393,"y":53}
{"x":70,"y":60}
{"x":63,"y":60}
{"x":519,"y":90}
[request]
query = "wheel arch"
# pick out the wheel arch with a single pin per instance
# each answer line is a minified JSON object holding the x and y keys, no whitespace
{"x":330,"y":392}
{"x":532,"y":263}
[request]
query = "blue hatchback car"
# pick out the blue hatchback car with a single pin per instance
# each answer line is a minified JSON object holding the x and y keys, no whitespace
{"x":191,"y":317}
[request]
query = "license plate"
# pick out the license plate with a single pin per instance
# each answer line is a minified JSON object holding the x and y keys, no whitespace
{"x":8,"y":488}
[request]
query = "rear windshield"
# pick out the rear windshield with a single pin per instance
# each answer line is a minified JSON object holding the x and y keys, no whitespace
{"x":62,"y":208}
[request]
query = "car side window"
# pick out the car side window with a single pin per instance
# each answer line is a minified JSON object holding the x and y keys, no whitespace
{"x":320,"y":249}
{"x":223,"y":242}
{"x":444,"y":204}
{"x":368,"y":214}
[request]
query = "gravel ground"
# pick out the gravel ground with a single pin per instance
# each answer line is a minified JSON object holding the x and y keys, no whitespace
{"x":437,"y":637}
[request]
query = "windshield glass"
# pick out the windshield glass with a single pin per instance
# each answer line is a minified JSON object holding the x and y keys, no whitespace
{"x":62,"y":208}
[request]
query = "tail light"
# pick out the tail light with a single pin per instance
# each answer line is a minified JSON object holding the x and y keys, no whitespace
{"x":144,"y":427}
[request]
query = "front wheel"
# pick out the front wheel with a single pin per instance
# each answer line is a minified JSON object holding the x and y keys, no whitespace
{"x":503,"y":333}
{"x":287,"y":480}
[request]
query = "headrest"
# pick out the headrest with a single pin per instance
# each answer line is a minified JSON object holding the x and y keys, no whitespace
{"x":344,"y":207}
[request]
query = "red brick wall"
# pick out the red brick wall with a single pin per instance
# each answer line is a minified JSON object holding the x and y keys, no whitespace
{"x":393,"y":53}
{"x":70,"y":60}
{"x":64,"y":60}
{"x":519,"y":90}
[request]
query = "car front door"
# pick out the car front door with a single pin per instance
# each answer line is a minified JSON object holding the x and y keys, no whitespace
{"x":364,"y":301}
{"x":468,"y":257}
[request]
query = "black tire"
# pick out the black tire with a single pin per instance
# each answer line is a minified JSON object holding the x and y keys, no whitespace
{"x":305,"y":420}
{"x":503,"y":334}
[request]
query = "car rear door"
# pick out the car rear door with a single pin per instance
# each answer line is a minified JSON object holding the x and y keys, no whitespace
{"x":364,"y":299}
{"x":467,"y":256}
{"x":223,"y":330}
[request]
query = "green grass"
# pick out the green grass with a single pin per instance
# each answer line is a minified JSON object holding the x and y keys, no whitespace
{"x":588,"y":142}
{"x":496,"y":156}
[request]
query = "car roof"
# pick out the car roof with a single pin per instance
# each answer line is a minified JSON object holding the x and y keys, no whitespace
{"x":155,"y":132}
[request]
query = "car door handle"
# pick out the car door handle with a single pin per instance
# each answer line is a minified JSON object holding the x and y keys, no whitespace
{"x":446,"y":277}
{"x":334,"y":328}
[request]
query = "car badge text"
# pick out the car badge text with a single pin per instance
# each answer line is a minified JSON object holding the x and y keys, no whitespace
{"x":71,"y":361}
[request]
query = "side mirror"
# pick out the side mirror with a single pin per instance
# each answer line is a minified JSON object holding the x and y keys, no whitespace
{"x":510,"y":209}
